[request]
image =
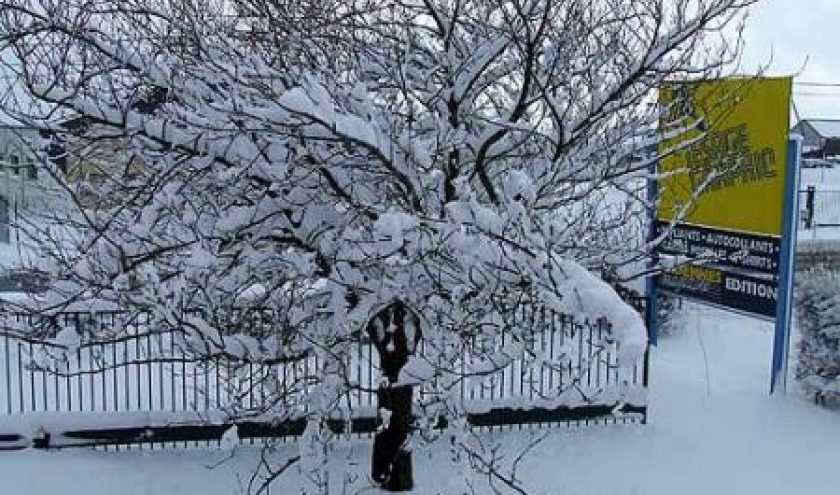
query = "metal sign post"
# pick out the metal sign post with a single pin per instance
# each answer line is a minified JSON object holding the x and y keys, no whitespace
{"x":652,"y":309}
{"x":784,"y":301}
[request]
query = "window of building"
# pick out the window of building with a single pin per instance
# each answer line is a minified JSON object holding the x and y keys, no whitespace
{"x":5,"y":228}
{"x":31,"y":169}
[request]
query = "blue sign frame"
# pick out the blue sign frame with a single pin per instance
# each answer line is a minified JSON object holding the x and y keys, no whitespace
{"x":784,"y":303}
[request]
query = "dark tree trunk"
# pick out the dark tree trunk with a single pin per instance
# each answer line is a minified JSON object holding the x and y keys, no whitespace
{"x":392,"y":467}
{"x":391,"y":464}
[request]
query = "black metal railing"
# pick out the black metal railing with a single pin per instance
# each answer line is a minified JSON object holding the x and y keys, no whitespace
{"x":151,"y":387}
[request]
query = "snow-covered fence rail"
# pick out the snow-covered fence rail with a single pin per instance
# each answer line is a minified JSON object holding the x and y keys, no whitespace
{"x":61,"y":389}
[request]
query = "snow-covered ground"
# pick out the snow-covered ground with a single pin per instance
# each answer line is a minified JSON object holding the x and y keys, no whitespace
{"x":713,"y":429}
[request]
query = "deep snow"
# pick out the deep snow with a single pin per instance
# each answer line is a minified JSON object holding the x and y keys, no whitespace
{"x":713,"y":429}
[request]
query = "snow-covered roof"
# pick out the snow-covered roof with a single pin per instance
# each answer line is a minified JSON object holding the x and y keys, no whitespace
{"x":826,"y":128}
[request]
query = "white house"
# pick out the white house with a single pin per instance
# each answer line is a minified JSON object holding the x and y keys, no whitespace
{"x":821,"y":136}
{"x":25,"y":193}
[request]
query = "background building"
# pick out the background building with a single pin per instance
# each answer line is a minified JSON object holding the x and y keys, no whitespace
{"x":27,"y":193}
{"x":821,"y":137}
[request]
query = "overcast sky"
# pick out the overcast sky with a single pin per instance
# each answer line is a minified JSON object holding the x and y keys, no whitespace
{"x":801,"y":38}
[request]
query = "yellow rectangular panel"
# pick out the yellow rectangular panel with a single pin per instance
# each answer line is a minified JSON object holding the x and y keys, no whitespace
{"x":737,"y":129}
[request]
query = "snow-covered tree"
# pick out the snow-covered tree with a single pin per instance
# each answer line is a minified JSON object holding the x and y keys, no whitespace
{"x":345,"y":161}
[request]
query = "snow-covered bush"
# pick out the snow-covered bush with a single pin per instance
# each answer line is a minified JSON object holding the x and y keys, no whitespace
{"x":667,"y":305}
{"x":818,"y":316}
{"x":669,"y":310}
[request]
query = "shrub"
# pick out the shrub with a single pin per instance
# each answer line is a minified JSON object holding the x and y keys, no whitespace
{"x":818,"y":312}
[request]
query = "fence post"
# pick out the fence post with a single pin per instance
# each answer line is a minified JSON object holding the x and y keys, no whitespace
{"x":809,"y":207}
{"x":651,"y":287}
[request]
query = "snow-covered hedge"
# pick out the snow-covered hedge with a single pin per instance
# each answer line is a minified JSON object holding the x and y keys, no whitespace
{"x":667,"y":306}
{"x":818,"y":311}
{"x":669,"y":311}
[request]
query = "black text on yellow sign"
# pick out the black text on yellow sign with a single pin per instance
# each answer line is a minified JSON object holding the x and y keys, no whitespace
{"x":731,"y":175}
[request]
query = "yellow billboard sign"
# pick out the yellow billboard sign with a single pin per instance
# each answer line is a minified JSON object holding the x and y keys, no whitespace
{"x":724,"y":153}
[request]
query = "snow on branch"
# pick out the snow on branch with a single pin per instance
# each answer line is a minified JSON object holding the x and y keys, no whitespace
{"x":321,"y":159}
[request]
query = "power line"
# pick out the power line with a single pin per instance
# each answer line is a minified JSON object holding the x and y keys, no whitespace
{"x":817,"y":95}
{"x":816,"y":84}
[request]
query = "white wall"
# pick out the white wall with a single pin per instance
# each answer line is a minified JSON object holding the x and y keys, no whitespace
{"x":28,"y":196}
